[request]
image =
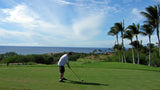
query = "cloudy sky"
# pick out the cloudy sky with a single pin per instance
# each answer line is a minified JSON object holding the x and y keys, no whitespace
{"x":67,"y":23}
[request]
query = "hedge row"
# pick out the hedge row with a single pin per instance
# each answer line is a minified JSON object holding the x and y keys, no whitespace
{"x":12,"y":57}
{"x":144,"y":57}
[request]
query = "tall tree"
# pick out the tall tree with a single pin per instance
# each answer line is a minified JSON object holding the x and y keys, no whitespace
{"x":136,"y":30}
{"x":114,"y":32}
{"x":129,"y":35}
{"x":153,"y":17}
{"x":120,"y":27}
{"x":148,"y":30}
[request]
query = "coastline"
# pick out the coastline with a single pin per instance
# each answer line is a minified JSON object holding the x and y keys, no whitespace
{"x":24,"y":50}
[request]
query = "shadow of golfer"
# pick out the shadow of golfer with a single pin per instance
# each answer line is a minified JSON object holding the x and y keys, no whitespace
{"x":86,"y":83}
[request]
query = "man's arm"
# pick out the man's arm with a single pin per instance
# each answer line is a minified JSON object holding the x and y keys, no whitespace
{"x":68,"y":65}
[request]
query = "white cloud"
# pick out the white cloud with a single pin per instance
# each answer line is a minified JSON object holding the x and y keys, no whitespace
{"x":35,"y":29}
{"x":145,"y":39}
{"x":27,"y":38}
{"x":64,"y":2}
{"x":88,"y":27}
{"x":16,"y":38}
{"x":105,"y":43}
{"x":134,"y":17}
{"x":25,"y":17}
{"x":31,"y":24}
{"x":100,"y":1}
{"x":136,"y":14}
{"x":11,"y":34}
{"x":21,"y":15}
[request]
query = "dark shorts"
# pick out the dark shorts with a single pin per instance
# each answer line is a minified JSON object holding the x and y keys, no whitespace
{"x":61,"y":69}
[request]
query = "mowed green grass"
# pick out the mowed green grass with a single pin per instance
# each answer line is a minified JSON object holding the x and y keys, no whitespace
{"x":96,"y":76}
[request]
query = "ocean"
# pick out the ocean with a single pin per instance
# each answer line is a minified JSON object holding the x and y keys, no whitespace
{"x":25,"y":50}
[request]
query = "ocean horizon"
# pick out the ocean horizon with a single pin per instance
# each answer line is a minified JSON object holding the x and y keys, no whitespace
{"x":25,"y":50}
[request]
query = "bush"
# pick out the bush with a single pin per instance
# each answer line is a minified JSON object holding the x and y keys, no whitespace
{"x":7,"y":54}
{"x":113,"y":58}
{"x":155,"y":58}
{"x":129,"y":56}
{"x":144,"y":57}
{"x":42,"y":59}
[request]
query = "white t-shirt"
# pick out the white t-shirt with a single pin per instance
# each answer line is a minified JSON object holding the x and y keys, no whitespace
{"x":63,"y":60}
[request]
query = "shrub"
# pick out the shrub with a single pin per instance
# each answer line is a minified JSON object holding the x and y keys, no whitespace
{"x":144,"y":57}
{"x":113,"y":58}
{"x":42,"y":59}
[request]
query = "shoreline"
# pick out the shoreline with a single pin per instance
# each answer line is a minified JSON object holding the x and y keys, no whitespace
{"x":44,"y":50}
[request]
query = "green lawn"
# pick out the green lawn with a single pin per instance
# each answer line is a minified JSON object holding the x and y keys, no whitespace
{"x":96,"y":76}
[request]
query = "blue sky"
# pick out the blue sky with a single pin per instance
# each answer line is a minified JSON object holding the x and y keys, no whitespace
{"x":67,"y":23}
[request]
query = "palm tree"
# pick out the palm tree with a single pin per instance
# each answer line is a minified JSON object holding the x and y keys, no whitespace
{"x":114,"y":31}
{"x":119,"y":47}
{"x":134,"y":44}
{"x":136,"y":30}
{"x":129,"y":35}
{"x":120,"y":27}
{"x":148,"y":30}
{"x":153,"y":17}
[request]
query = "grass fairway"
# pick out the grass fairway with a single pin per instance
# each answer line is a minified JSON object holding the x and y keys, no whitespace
{"x":96,"y":76}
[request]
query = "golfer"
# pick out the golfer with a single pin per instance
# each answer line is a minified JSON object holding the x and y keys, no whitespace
{"x":62,"y":61}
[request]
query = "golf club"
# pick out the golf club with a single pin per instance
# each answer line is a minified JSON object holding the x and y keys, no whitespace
{"x":76,"y":75}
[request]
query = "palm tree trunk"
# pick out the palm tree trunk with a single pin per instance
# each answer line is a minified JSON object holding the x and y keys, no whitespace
{"x":124,"y":54}
{"x":158,"y":27}
{"x":138,"y":57}
{"x":122,"y":58}
{"x":159,"y":49}
{"x":138,"y":50}
{"x":119,"y":55}
{"x":158,"y":37}
{"x":123,"y":43}
{"x":118,"y":48}
{"x":149,"y":64}
{"x":123,"y":48}
{"x":133,"y":54}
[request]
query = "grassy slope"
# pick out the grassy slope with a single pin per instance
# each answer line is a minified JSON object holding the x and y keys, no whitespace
{"x":97,"y":75}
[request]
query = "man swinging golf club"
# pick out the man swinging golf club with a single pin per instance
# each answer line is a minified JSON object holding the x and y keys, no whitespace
{"x":62,"y":61}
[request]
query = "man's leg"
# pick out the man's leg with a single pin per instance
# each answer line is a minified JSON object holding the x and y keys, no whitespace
{"x":61,"y":75}
{"x":62,"y":70}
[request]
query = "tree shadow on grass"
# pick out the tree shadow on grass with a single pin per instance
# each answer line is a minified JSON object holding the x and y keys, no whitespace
{"x":86,"y":83}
